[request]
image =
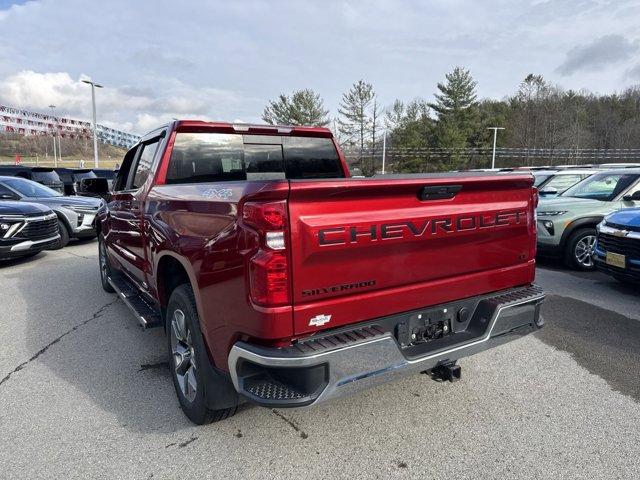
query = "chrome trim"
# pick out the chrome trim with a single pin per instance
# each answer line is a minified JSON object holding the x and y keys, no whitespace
{"x":27,"y":244}
{"x":370,"y":362}
{"x":618,"y":233}
{"x":24,"y":218}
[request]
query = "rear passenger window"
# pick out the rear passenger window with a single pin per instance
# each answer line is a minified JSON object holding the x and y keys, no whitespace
{"x":213,"y":157}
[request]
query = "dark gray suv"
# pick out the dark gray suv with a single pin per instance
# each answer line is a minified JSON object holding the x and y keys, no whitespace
{"x":76,"y":215}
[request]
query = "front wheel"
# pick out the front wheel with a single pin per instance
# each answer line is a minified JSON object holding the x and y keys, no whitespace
{"x":64,"y":235}
{"x":188,"y":357}
{"x":579,"y":249}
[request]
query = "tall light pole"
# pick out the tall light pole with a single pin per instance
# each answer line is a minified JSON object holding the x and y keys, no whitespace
{"x":53,"y":116}
{"x":495,"y":137}
{"x":95,"y":132}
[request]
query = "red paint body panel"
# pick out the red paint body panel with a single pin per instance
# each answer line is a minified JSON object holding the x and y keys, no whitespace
{"x":486,"y":243}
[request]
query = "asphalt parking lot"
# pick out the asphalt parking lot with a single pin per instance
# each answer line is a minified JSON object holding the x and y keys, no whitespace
{"x":85,"y":393}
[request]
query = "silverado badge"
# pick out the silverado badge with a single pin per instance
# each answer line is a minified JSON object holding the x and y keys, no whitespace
{"x":319,"y":320}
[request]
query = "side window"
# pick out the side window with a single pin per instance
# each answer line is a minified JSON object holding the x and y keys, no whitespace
{"x":143,"y":166}
{"x":5,"y":191}
{"x":120,"y":182}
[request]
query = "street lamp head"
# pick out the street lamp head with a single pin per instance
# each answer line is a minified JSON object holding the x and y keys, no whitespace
{"x":89,"y":82}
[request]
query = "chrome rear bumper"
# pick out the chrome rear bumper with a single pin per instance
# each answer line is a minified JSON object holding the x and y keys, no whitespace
{"x":339,"y":364}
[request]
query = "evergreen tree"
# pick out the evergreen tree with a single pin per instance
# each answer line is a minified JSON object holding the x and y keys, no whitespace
{"x":456,"y":109}
{"x":304,"y":107}
{"x":355,"y":117}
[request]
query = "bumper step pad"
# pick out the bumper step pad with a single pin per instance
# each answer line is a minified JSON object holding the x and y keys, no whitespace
{"x":269,"y":389}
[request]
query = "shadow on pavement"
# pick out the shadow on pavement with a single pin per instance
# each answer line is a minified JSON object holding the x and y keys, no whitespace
{"x":604,"y":342}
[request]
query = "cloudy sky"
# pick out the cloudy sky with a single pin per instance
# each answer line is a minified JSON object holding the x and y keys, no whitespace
{"x":224,"y":59}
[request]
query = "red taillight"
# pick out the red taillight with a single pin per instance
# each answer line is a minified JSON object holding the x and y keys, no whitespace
{"x":269,"y":278}
{"x":269,"y":267}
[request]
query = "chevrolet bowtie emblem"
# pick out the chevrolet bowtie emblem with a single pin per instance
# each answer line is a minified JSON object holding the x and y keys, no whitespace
{"x":319,"y":320}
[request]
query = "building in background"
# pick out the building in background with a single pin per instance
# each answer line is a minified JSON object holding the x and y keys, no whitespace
{"x":24,"y":122}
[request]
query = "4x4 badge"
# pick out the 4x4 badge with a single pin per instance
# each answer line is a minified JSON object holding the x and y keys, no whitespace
{"x":319,"y":320}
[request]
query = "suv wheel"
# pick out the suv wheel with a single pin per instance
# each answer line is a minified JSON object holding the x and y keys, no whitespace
{"x":105,"y":268}
{"x":579,"y":249}
{"x":188,"y":357}
{"x":64,"y":236}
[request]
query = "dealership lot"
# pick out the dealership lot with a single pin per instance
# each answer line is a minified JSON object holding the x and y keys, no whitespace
{"x":86,"y":394}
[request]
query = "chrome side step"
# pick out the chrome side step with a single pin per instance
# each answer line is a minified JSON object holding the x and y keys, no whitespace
{"x":146,"y":313}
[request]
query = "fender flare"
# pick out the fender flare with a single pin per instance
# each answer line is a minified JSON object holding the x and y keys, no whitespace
{"x":590,"y":221}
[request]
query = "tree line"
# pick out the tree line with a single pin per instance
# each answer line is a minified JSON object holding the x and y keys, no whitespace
{"x":538,"y":115}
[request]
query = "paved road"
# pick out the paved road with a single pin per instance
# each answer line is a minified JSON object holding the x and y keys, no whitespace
{"x":84,"y":393}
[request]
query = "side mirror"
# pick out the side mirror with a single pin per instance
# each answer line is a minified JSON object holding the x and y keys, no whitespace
{"x":634,"y":197}
{"x":548,"y":191}
{"x":93,"y":186}
{"x":8,"y":196}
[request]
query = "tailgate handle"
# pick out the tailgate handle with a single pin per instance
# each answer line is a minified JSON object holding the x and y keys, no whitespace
{"x":438,"y":192}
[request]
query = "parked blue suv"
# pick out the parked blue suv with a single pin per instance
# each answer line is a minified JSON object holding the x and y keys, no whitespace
{"x":617,"y":248}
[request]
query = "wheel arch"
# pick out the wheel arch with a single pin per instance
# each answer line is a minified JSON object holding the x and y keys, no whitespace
{"x":172,"y":270}
{"x":584,"y":222}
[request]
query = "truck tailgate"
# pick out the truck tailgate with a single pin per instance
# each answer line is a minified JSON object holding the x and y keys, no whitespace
{"x":365,"y":248}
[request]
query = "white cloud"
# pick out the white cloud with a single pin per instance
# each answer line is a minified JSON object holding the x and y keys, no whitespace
{"x":224,"y":60}
{"x":125,"y":108}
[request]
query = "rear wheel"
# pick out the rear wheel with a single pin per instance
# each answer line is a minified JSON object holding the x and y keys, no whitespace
{"x":579,"y":249}
{"x":188,"y":357}
{"x":105,"y":267}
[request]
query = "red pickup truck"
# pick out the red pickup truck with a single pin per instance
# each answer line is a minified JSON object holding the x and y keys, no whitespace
{"x":281,"y":280}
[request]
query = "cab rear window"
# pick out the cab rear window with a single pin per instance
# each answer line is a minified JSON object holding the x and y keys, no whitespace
{"x":214,"y":157}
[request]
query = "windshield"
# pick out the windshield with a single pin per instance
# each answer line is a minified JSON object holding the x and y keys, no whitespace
{"x":539,"y":179}
{"x":562,"y":182}
{"x":603,"y":186}
{"x":31,"y":189}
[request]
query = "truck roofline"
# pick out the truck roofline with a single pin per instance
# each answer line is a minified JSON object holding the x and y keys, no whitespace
{"x":239,"y":127}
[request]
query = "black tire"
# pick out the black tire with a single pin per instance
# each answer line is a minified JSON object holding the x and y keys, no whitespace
{"x":64,"y":236}
{"x":105,"y":267}
{"x":574,"y":250}
{"x":193,"y":400}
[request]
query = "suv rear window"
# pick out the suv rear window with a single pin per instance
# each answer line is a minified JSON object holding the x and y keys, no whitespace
{"x":45,"y":176}
{"x":207,"y":157}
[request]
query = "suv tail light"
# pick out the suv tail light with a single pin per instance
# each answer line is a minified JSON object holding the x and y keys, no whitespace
{"x":269,"y":278}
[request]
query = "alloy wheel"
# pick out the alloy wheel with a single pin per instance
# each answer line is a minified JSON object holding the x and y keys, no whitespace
{"x":584,"y":251}
{"x":184,"y":361}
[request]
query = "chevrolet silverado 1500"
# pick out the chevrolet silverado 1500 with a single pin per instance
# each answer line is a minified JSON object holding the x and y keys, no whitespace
{"x":281,"y":280}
